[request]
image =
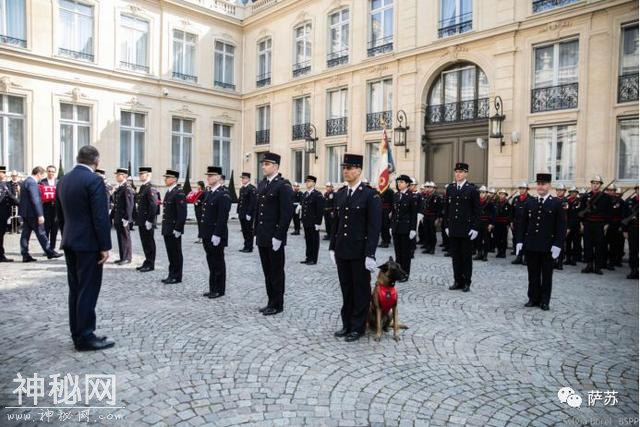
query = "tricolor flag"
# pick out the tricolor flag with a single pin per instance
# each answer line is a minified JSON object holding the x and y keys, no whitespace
{"x":385,"y":162}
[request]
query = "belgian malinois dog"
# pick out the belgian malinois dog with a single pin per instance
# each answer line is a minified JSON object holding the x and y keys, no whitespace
{"x":384,"y":300}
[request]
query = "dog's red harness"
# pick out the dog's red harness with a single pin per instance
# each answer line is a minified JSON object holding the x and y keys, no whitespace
{"x":387,"y":297}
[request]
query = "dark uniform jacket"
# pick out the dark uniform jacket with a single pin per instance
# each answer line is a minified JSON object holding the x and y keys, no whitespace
{"x":358,"y":223}
{"x":215,"y":214}
{"x":247,"y":201}
{"x":274,"y":211}
{"x":405,"y":213}
{"x":123,"y":203}
{"x":503,"y":212}
{"x":174,"y":211}
{"x":543,"y":225}
{"x":518,"y":208}
{"x":573,"y":222}
{"x":431,"y":205}
{"x":387,"y":199}
{"x":461,"y":209}
{"x":487,"y":212}
{"x":8,"y":199}
{"x":631,"y":213}
{"x":330,"y":203}
{"x":618,"y":210}
{"x":312,"y":208}
{"x":147,"y":204}
{"x":600,"y":210}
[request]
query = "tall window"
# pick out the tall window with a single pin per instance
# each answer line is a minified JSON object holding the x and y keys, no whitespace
{"x":337,"y":112}
{"x":223,"y":67}
{"x":300,"y":165}
{"x":132,"y":133}
{"x":259,"y":158}
{"x":555,"y":79}
{"x":12,"y":132}
{"x":334,"y":159}
{"x":13,"y":22}
{"x":222,"y":147}
{"x":302,"y":60}
{"x":263,"y":117}
{"x":380,"y":27}
{"x":628,"y":149}
{"x":184,"y":56}
{"x":134,"y":43}
{"x":76,"y":30}
{"x":379,"y":104}
{"x":542,"y":5}
{"x":301,"y":117}
{"x":264,"y":63}
{"x":372,"y":156}
{"x":456,"y":16}
{"x":555,"y":151}
{"x":75,"y":131}
{"x":628,"y":74}
{"x":338,"y":38}
{"x":181,"y":139}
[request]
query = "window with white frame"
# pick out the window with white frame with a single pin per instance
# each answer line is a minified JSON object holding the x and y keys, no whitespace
{"x":338,"y":38}
{"x":302,"y":49}
{"x":380,"y":27}
{"x":456,"y":16}
{"x":132,"y":136}
{"x":628,"y":73}
{"x":222,"y":147}
{"x":301,"y":117}
{"x":371,"y":162}
{"x":75,"y":30}
{"x":75,"y":131}
{"x":555,"y":151}
{"x":223,"y":67}
{"x":12,"y":132}
{"x":379,"y":104}
{"x":13,"y":22}
{"x":628,"y":149}
{"x":263,"y":126}
{"x":337,"y":112}
{"x":181,"y":143}
{"x":335,"y":154}
{"x":264,"y":63}
{"x":300,"y":164}
{"x":134,"y":43}
{"x":555,"y":77}
{"x":184,"y":56}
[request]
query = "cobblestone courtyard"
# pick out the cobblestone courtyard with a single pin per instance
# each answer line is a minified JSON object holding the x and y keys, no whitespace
{"x":479,"y":358}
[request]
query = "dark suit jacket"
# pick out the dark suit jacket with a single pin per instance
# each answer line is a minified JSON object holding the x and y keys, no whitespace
{"x":542,"y":227}
{"x":30,"y":201}
{"x":123,"y":203}
{"x":274,"y":212}
{"x":174,"y":211}
{"x":312,"y":208}
{"x":461,"y":209}
{"x":147,"y":204}
{"x":82,"y":208}
{"x":215,"y":214}
{"x":405,"y":213}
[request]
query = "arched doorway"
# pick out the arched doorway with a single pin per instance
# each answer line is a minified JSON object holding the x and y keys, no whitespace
{"x":456,"y":116}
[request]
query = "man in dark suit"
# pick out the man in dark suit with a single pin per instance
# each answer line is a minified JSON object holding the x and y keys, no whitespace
{"x":403,"y":222}
{"x":596,"y":219}
{"x":215,"y":234}
{"x":246,"y":210}
{"x":312,"y":212}
{"x":147,"y":203}
{"x":8,"y":199}
{"x":544,"y":225}
{"x":297,"y":208}
{"x":273,"y":216}
{"x":123,"y":202}
{"x":353,"y":246}
{"x":82,"y":210}
{"x":49,"y":209}
{"x":329,"y":210}
{"x":174,"y":216}
{"x":461,"y":218}
{"x":518,"y":210}
{"x":33,"y":216}
{"x":431,"y":209}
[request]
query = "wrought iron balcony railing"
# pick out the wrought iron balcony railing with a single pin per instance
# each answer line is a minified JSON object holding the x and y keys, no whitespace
{"x":337,"y":58}
{"x":75,"y":54}
{"x":552,"y":98}
{"x":12,"y":41}
{"x":542,"y":5}
{"x":263,"y":136}
{"x":185,"y":77}
{"x":628,"y":87}
{"x":380,"y":46}
{"x":301,"y":68}
{"x":337,"y":126}
{"x":460,"y":111}
{"x":463,"y":24}
{"x":263,"y":80}
{"x":134,"y":67}
{"x":224,"y":85}
{"x":300,"y":131}
{"x":376,"y":121}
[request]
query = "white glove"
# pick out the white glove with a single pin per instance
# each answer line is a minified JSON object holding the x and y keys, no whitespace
{"x":275,"y":244}
{"x":473,"y":234}
{"x":446,"y":230}
{"x":412,"y":234}
{"x":370,"y":264}
{"x":332,"y":256}
{"x":148,"y":225}
{"x":298,"y":209}
{"x":420,"y":218}
{"x":248,"y":217}
{"x":215,"y":240}
{"x":125,"y":222}
{"x":9,"y":221}
{"x":176,"y":233}
{"x":390,"y":215}
{"x":317,"y":227}
{"x":555,"y":252}
{"x":518,"y":248}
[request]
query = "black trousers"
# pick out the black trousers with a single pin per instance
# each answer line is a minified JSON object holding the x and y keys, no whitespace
{"x":385,"y":235}
{"x":217,"y":267}
{"x":430,"y":240}
{"x":445,"y":238}
{"x":540,"y":270}
{"x":328,"y":223}
{"x":273,"y":269}
{"x":124,"y":240}
{"x":84,"y":275}
{"x":312,"y":243}
{"x":356,"y":293}
{"x":247,"y":233}
{"x":29,"y":225}
{"x":500,"y":233}
{"x":3,"y":229}
{"x":460,"y":250}
{"x":402,"y":246}
{"x":50,"y":224}
{"x":483,"y":241}
{"x":173,"y":245}
{"x":595,"y":245}
{"x":148,"y":245}
{"x":572,"y":244}
{"x":633,"y":248}
{"x":296,"y":222}
{"x":615,"y":243}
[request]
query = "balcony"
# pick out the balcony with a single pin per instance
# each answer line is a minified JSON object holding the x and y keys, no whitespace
{"x":224,"y":85}
{"x":301,"y":68}
{"x":380,"y":46}
{"x":552,"y":98}
{"x":454,"y":112}
{"x":376,"y":121}
{"x":13,"y":41}
{"x":300,"y":131}
{"x":263,"y":136}
{"x":628,"y":87}
{"x":463,"y":24}
{"x":337,"y":126}
{"x":337,"y":58}
{"x":185,"y":77}
{"x":75,"y":54}
{"x":542,"y":5}
{"x":263,"y":80}
{"x":134,"y":67}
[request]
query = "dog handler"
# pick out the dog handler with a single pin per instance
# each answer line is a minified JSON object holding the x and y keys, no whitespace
{"x":353,"y":246}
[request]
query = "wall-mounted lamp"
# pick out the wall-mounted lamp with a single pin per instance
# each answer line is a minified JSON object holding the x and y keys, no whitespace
{"x":311,"y":142}
{"x":400,"y":132}
{"x":495,"y":122}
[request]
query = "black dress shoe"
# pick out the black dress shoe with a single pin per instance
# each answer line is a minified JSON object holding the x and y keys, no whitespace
{"x":165,"y":280}
{"x":633,"y":275}
{"x":263,"y":309}
{"x":215,"y":295}
{"x":94,"y":344}
{"x":531,"y":304}
{"x":352,"y":336}
{"x":53,"y":254}
{"x":598,"y":271}
{"x":544,"y":307}
{"x":455,"y":287}
{"x":124,"y":262}
{"x":206,"y":294}
{"x":172,"y":281}
{"x":341,"y":333}
{"x":145,"y":269}
{"x":270,"y":311}
{"x":304,"y":262}
{"x":140,"y":267}
{"x":118,"y":261}
{"x":447,"y":254}
{"x":5,"y":259}
{"x":312,"y":262}
{"x":466,"y":288}
{"x":28,"y":258}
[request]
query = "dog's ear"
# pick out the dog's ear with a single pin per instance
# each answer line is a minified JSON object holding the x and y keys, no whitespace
{"x":384,"y":267}
{"x":390,"y":259}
